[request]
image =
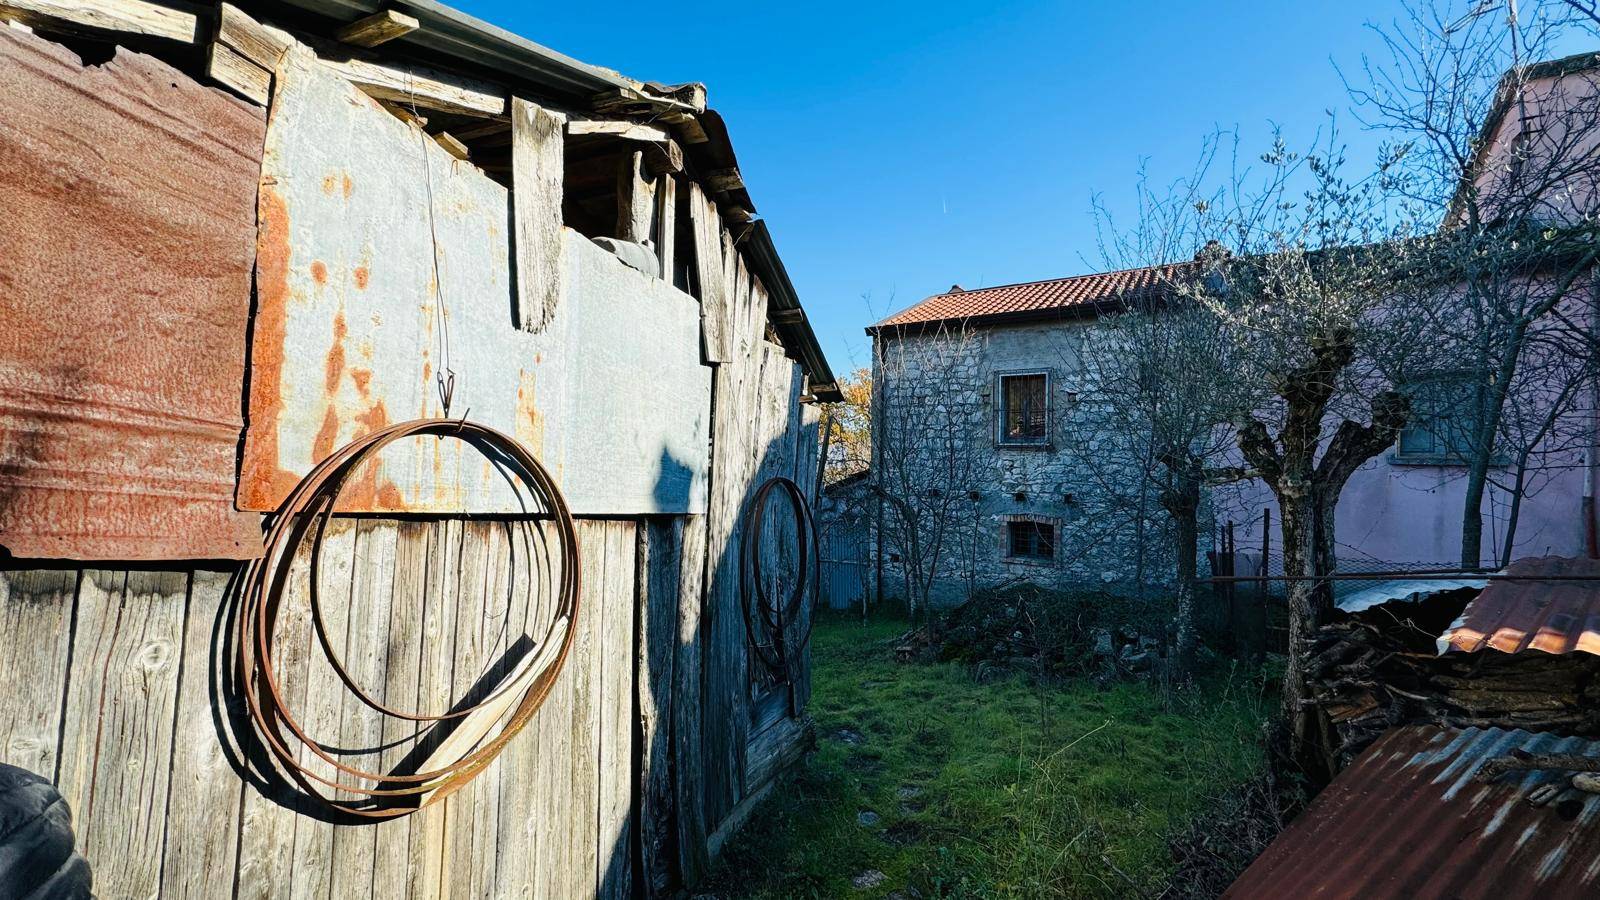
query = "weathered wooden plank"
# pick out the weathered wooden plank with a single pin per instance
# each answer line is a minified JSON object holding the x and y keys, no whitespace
{"x":420,"y":86}
{"x":414,"y":542}
{"x":538,"y":162}
{"x":319,"y":713}
{"x":553,"y":790}
{"x":583,"y":852}
{"x":122,"y":692}
{"x":128,"y":16}
{"x":621,"y":128}
{"x":715,"y":337}
{"x":206,"y":796}
{"x":614,"y":841}
{"x":425,"y":870}
{"x":231,"y":69}
{"x":524,"y":824}
{"x":36,"y":619}
{"x":660,"y":544}
{"x":687,"y":710}
{"x":379,"y":28}
{"x":480,"y":620}
{"x":666,"y":226}
{"x":360,"y":729}
{"x":258,"y":43}
{"x":267,"y":827}
{"x":636,"y":202}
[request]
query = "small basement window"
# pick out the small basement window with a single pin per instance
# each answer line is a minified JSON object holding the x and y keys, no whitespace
{"x":1024,"y":408}
{"x":1031,"y":540}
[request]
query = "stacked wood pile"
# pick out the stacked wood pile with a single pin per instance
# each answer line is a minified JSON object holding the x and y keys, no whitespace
{"x":1381,"y":668}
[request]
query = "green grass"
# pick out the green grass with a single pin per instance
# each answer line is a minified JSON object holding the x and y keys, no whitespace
{"x":1003,"y":789}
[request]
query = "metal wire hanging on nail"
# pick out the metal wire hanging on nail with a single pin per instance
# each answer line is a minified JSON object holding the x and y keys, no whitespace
{"x":309,"y":508}
{"x":775,"y":647}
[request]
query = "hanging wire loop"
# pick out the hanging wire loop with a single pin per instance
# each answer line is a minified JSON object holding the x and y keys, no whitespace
{"x":778,"y":632}
{"x":307,"y":511}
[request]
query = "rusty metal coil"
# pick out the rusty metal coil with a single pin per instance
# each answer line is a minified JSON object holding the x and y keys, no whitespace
{"x":311,"y":505}
{"x":772,"y":647}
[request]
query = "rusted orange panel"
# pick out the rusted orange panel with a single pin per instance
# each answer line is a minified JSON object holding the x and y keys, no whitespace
{"x":127,"y":217}
{"x":1528,"y":613}
{"x":1409,"y":819}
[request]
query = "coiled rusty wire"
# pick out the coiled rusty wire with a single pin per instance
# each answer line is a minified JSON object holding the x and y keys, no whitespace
{"x":776,"y":619}
{"x":311,"y":504}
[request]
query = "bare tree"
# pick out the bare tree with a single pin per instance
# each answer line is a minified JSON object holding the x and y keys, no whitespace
{"x":1506,"y":154}
{"x":1315,"y":292}
{"x":1161,"y":374}
{"x":924,"y":442}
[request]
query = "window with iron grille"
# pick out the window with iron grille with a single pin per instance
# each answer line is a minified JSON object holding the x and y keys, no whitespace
{"x":1024,"y":408}
{"x":1030,"y":540}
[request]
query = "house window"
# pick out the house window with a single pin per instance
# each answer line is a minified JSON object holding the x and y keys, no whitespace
{"x":1444,"y":420}
{"x":1030,"y":540}
{"x":1024,"y":408}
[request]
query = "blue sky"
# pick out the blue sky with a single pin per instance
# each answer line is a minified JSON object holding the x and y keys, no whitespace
{"x":897,"y":148}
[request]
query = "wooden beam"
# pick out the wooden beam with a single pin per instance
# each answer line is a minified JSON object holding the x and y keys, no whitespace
{"x":720,"y":180}
{"x":666,"y":231}
{"x":261,"y":44}
{"x":635,"y":200}
{"x":420,"y":86}
{"x":417,"y":86}
{"x":127,"y":16}
{"x":231,"y":69}
{"x":489,"y":127}
{"x":633,"y":131}
{"x":379,"y":28}
{"x":452,"y":146}
{"x":715,"y":336}
{"x":538,"y":167}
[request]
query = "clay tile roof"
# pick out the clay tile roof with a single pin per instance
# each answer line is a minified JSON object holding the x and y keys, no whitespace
{"x":1079,"y":293}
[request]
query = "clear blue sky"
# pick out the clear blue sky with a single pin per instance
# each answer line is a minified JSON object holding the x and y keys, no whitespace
{"x":896,"y":148}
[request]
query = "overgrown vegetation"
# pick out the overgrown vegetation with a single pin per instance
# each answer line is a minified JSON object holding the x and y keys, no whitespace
{"x":927,"y":782}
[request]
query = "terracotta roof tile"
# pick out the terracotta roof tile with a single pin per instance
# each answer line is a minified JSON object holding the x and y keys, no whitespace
{"x":1079,"y":292}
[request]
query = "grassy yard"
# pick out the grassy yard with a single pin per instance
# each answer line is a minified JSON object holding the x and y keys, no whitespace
{"x":952,"y":788}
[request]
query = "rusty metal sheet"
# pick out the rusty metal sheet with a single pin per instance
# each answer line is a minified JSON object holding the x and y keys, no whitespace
{"x":1407,"y":819}
{"x":126,"y":215}
{"x":1550,"y":616}
{"x":350,"y":329}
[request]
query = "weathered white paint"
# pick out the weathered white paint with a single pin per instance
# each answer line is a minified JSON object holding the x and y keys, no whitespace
{"x":350,"y":330}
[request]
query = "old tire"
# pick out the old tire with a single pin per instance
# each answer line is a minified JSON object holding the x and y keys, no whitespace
{"x":37,"y":860}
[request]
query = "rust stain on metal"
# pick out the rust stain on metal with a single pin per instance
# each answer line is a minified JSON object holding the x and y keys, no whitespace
{"x":266,"y":355}
{"x":125,"y":293}
{"x":1526,"y":613}
{"x":361,"y":274}
{"x":319,"y":272}
{"x":1409,"y":819}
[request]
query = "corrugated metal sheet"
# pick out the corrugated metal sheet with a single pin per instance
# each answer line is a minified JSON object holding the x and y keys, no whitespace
{"x":1408,"y":820}
{"x":1404,"y":591}
{"x":1516,"y":615}
{"x":348,"y":330}
{"x":126,"y":208}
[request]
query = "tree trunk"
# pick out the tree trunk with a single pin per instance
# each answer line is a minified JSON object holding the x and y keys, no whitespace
{"x":1298,"y":517}
{"x":1489,"y":415}
{"x":1184,"y":641}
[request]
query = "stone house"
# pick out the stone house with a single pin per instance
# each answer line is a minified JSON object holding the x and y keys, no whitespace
{"x":979,"y":420}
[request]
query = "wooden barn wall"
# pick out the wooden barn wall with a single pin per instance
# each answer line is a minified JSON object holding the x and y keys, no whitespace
{"x":118,"y":684}
{"x":659,"y":738}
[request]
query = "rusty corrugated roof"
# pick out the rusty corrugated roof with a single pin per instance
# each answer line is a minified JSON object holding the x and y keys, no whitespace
{"x":1516,"y":615}
{"x":1077,"y":293}
{"x":127,"y":202}
{"x":1407,"y":819}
